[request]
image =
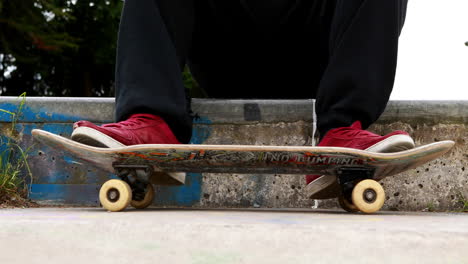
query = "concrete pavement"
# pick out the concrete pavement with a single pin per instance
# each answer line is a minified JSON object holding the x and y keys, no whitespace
{"x":91,"y":235}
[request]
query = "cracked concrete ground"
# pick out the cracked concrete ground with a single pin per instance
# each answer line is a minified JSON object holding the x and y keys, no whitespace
{"x":91,"y":235}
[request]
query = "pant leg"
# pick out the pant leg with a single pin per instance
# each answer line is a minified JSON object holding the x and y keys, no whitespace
{"x":154,"y":39}
{"x":359,"y":77}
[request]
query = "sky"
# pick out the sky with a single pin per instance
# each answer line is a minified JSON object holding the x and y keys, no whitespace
{"x":433,"y":58}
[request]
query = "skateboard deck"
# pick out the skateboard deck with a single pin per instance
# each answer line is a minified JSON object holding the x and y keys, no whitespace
{"x":166,"y":164}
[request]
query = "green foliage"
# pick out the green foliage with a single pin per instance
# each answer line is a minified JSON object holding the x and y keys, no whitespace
{"x":430,"y":207}
{"x":59,"y":47}
{"x":191,"y":85}
{"x":24,"y":29}
{"x":464,"y":202}
{"x":13,"y":159}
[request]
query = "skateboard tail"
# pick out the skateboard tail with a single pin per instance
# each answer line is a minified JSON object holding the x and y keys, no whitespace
{"x":102,"y":158}
{"x":409,"y":162}
{"x":80,"y":151}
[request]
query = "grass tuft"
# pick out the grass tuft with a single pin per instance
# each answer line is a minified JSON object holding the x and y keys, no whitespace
{"x":14,"y":189}
{"x":464,"y":203}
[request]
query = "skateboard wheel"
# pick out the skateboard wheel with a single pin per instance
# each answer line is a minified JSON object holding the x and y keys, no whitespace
{"x":347,"y":205}
{"x":115,"y":195}
{"x":149,"y":196}
{"x":368,"y":196}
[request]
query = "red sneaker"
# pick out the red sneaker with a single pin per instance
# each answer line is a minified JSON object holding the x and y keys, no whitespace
{"x":325,"y":187}
{"x":138,"y":129}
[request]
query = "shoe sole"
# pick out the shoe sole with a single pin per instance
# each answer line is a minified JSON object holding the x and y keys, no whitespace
{"x":326,"y":186}
{"x":394,"y":143}
{"x":321,"y":187}
{"x":95,"y":138}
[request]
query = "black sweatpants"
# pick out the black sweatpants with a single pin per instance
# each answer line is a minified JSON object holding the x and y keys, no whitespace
{"x":341,"y":52}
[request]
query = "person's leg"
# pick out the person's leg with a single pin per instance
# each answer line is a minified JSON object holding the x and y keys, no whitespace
{"x":154,"y":39}
{"x":357,"y":80}
{"x":359,"y":77}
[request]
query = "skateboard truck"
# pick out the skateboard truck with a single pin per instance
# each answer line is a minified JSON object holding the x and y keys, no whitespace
{"x":133,"y":188}
{"x":149,"y":174}
{"x":137,"y":176}
{"x":348,"y":178}
{"x":141,"y":177}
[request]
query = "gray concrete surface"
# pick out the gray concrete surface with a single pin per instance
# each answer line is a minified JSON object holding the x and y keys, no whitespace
{"x":91,"y":235}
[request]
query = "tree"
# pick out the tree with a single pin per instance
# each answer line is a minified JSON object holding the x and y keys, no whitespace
{"x":61,"y":47}
{"x":58,"y":47}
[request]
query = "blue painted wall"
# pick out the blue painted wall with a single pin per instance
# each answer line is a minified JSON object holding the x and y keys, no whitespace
{"x":60,"y":179}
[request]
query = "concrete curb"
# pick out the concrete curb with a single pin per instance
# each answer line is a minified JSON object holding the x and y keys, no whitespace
{"x":65,"y":109}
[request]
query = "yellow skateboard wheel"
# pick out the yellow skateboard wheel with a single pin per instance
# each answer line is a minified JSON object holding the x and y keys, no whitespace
{"x":347,"y":205}
{"x":368,"y":196}
{"x":115,"y":195}
{"x":147,"y":201}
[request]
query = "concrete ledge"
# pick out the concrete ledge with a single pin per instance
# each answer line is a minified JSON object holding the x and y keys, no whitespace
{"x":65,"y":109}
{"x":101,"y":110}
{"x":428,"y":112}
{"x":59,"y":109}
{"x":441,"y":185}
{"x":251,"y":111}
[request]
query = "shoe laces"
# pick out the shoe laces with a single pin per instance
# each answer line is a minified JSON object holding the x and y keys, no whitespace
{"x":134,"y":120}
{"x":351,"y":132}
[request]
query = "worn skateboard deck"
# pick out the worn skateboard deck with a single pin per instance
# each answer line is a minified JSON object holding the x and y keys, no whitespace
{"x":246,"y":158}
{"x":356,"y":171}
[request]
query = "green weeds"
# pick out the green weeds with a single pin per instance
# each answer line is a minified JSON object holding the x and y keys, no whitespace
{"x":464,"y":202}
{"x":13,"y":160}
{"x":430,"y":207}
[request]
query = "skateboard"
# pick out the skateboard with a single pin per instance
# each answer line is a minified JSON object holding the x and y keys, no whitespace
{"x":140,"y":166}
